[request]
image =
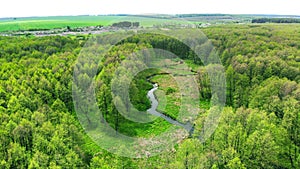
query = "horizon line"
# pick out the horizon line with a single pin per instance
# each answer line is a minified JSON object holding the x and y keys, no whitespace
{"x":149,"y":14}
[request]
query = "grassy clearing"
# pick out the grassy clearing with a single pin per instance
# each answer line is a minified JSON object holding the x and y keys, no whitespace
{"x":134,"y":129}
{"x":192,"y":65}
{"x":146,"y":130}
{"x":169,"y":102}
{"x":168,"y":95}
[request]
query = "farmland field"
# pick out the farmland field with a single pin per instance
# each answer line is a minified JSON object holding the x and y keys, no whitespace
{"x":15,"y":24}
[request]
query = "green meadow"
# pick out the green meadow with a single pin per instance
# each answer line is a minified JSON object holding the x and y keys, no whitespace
{"x":17,"y":24}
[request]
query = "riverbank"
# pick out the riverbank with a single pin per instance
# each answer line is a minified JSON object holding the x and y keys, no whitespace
{"x":153,"y":110}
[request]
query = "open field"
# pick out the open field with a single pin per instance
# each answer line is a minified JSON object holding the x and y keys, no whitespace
{"x":51,"y":22}
{"x":15,"y":24}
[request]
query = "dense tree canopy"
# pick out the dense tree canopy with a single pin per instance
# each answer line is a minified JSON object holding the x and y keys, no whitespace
{"x":259,"y":128}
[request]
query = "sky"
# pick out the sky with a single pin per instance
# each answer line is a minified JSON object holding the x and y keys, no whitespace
{"x":25,"y":8}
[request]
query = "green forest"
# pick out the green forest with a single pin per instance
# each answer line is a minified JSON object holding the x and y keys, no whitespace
{"x":259,"y":126}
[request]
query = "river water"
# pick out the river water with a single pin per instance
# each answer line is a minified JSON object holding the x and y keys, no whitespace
{"x":154,"y":104}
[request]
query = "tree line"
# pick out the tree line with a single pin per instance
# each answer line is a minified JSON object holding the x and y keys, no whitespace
{"x":276,"y":20}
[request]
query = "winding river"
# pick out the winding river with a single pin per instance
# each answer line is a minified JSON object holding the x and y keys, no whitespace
{"x":154,"y":104}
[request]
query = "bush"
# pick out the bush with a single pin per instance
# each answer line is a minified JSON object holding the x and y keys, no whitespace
{"x":170,"y":90}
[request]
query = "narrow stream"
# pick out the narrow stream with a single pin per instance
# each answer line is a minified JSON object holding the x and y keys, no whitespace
{"x":154,"y":103}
